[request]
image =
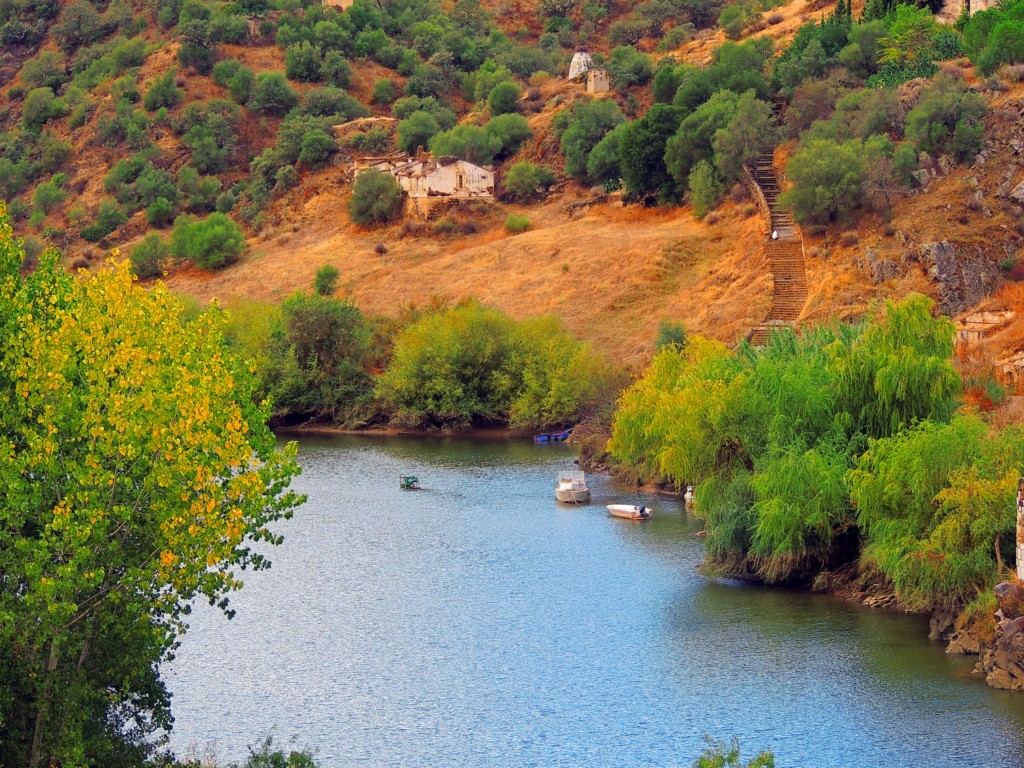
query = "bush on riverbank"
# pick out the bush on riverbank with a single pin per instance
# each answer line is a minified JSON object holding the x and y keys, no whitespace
{"x":831,"y":446}
{"x":475,"y":365}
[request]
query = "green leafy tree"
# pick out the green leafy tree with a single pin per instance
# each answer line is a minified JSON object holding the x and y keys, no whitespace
{"x":752,"y":127}
{"x":210,"y":243}
{"x":706,"y":188}
{"x":468,"y":142}
{"x":138,"y":475}
{"x":504,"y":97}
{"x":590,"y":122}
{"x":162,"y":93}
{"x":271,"y":94}
{"x":511,"y":131}
{"x":828,"y":180}
{"x":317,"y":149}
{"x":948,"y":119}
{"x":642,"y":152}
{"x":627,"y":67}
{"x":416,"y":131}
{"x":376,"y":198}
{"x":149,"y":257}
{"x":692,"y":142}
{"x":525,"y":181}
{"x":326,"y":281}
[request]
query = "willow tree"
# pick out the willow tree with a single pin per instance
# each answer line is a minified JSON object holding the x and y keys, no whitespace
{"x":136,"y":473}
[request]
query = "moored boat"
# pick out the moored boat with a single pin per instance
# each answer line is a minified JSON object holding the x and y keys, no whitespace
{"x":629,"y":511}
{"x":409,"y":483}
{"x":571,"y":487}
{"x":552,"y":437}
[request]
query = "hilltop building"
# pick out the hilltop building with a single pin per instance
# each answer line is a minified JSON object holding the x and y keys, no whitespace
{"x":429,"y":182}
{"x":580,"y":64}
{"x":597,"y":80}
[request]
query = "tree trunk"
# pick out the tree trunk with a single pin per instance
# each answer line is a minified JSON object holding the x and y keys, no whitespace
{"x":1020,"y":529}
{"x":44,"y":705}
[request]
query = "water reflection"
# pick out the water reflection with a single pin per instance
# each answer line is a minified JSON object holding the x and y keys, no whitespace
{"x":480,"y":623}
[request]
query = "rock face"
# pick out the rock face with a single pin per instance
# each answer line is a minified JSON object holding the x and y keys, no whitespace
{"x":963,"y":279}
{"x":1003,"y":663}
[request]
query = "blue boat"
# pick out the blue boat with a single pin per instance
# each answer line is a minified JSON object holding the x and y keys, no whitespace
{"x":552,"y":437}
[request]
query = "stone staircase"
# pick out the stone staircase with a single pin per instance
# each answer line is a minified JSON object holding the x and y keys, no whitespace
{"x":785,"y":255}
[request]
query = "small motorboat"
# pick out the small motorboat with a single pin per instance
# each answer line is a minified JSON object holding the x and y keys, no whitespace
{"x":409,"y":483}
{"x":571,"y":487}
{"x":629,"y":512}
{"x":552,"y":437}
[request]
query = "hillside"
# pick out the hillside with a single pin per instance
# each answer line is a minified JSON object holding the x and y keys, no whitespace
{"x":611,"y":270}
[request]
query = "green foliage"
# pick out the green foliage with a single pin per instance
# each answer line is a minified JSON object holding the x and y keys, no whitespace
{"x":692,"y":142}
{"x":210,"y":243}
{"x":603,"y":165}
{"x":271,"y":94}
{"x":589,"y":121}
{"x":472,"y":364}
{"x":751,"y":128}
{"x":376,"y":198}
{"x":149,"y":257}
{"x":948,"y":119}
{"x":510,"y":131}
{"x":736,"y":67}
{"x":525,"y":181}
{"x":642,"y":153}
{"x":162,"y":93}
{"x":670,"y":334}
{"x":721,"y":755}
{"x":41,"y":106}
{"x":49,"y":194}
{"x":627,"y":67}
{"x":47,"y":70}
{"x":326,"y":281}
{"x":768,"y":437}
{"x":706,"y":188}
{"x":317,"y":149}
{"x":827,"y":179}
{"x":503,"y":97}
{"x":383,"y":91}
{"x":468,"y":142}
{"x":108,"y":218}
{"x":516,"y":225}
{"x":97,"y":586}
{"x":416,"y":131}
{"x":160,"y":212}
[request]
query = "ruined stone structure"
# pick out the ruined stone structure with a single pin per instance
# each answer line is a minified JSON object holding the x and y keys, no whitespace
{"x":597,"y":80}
{"x":978,"y":325}
{"x":951,"y":9}
{"x":581,"y":63}
{"x":341,"y":5}
{"x":428,"y":181}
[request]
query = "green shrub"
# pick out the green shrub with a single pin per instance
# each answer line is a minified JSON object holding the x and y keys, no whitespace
{"x":588,"y":123}
{"x":510,"y":131}
{"x":39,"y":107}
{"x":149,"y":257}
{"x":162,"y":93}
{"x":160,"y":212}
{"x":209,"y":243}
{"x":948,"y":119}
{"x":526,"y":181}
{"x":224,"y":70}
{"x":49,"y":194}
{"x":47,"y":70}
{"x":271,"y":94}
{"x":416,"y":131}
{"x":516,"y":225}
{"x":108,"y":218}
{"x":503,"y":98}
{"x":376,"y":198}
{"x":383,"y":92}
{"x":627,"y":66}
{"x":468,"y":142}
{"x":317,"y":149}
{"x":706,"y":188}
{"x":326,"y":281}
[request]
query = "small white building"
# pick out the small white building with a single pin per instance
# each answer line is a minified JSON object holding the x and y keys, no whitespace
{"x":580,"y":64}
{"x":597,"y":80}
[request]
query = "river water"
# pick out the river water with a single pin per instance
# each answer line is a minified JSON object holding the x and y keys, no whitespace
{"x":479,"y":623}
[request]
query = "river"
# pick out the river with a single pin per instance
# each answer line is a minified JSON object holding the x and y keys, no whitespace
{"x":479,"y":623}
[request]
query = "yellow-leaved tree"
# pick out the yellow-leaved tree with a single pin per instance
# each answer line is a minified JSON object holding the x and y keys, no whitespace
{"x":136,"y":473}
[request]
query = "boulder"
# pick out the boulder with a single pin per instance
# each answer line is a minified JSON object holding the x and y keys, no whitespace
{"x":1017,"y":193}
{"x":963,"y":279}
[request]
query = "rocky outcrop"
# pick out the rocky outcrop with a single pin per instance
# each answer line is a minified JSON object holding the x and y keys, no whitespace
{"x":1003,"y":662}
{"x":963,"y":278}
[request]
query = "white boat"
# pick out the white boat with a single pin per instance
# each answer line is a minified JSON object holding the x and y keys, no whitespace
{"x":629,"y":512}
{"x":571,"y":487}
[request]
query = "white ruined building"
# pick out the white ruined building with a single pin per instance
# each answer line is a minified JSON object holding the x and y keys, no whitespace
{"x":580,"y":64}
{"x":444,"y":177}
{"x":597,"y":80}
{"x":977,"y":325}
